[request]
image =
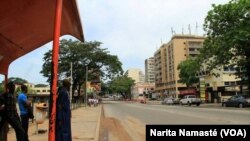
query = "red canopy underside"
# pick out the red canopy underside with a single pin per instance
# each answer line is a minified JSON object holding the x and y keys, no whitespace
{"x":26,"y":25}
{"x":188,"y":92}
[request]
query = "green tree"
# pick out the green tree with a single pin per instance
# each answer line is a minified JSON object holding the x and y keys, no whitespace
{"x":122,"y":85}
{"x":104,"y":89}
{"x":188,"y":70}
{"x":17,"y":80}
{"x":228,"y":37}
{"x":82,"y":55}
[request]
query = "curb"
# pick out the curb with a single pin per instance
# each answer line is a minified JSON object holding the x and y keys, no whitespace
{"x":97,"y":131}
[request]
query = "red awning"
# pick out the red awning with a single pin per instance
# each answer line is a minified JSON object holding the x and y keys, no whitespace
{"x":189,"y":91}
{"x":28,"y":24}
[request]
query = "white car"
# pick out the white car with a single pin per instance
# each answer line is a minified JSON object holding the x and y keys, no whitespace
{"x":168,"y":101}
{"x":190,"y":99}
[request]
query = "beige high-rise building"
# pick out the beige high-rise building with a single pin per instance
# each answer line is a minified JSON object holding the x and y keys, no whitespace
{"x":135,"y":74}
{"x":150,"y":70}
{"x":168,"y":57}
{"x":160,"y":69}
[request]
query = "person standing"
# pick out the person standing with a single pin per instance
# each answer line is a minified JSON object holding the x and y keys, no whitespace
{"x":2,"y":118}
{"x":11,"y":112}
{"x":63,"y":113}
{"x":23,"y":107}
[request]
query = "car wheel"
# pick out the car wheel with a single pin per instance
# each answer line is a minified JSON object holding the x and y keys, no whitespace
{"x":189,"y":104}
{"x":198,"y":104}
{"x":241,"y":105}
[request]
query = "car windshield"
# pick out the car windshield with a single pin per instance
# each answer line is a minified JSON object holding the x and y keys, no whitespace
{"x":192,"y":96}
{"x":246,"y":96}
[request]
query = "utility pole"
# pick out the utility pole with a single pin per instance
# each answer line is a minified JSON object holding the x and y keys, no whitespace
{"x":86,"y":85}
{"x":189,"y":29}
{"x":196,"y":29}
{"x":71,"y":84}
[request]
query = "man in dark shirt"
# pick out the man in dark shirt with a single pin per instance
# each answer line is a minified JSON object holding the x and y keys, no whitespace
{"x":2,"y":111}
{"x":11,"y":112}
{"x":2,"y":118}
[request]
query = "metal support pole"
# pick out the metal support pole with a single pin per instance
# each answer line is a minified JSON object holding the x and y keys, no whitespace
{"x":54,"y":71}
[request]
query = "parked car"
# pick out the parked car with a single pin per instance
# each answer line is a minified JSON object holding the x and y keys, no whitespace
{"x":237,"y":101}
{"x":176,"y":101}
{"x":190,"y":99}
{"x":170,"y":101}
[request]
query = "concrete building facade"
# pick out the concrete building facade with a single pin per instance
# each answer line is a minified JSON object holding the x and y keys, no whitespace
{"x":135,"y":74}
{"x":210,"y":88}
{"x":40,"y":89}
{"x":150,"y":70}
{"x":224,"y":85}
{"x":142,"y":89}
{"x":167,"y":59}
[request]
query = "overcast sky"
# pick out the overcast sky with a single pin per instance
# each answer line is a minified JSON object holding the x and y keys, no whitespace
{"x":131,"y":29}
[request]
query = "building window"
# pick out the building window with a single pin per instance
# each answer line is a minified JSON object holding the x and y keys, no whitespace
{"x":38,"y":91}
{"x":233,"y":83}
{"x":226,"y":69}
{"x":192,"y":55}
{"x":226,"y":83}
{"x":191,"y":49}
{"x":230,"y":68}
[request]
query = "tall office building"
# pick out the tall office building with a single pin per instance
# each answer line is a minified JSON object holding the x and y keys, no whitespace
{"x":211,"y":88}
{"x":168,"y":57}
{"x":135,"y":74}
{"x":150,"y":70}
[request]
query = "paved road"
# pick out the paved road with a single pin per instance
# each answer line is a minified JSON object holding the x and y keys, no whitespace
{"x":163,"y":114}
{"x":134,"y":116}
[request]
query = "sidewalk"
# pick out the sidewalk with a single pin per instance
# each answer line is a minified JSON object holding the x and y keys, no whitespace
{"x":85,"y":124}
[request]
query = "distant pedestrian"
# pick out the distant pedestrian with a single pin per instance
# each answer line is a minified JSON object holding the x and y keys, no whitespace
{"x":23,"y":108}
{"x":63,"y":113}
{"x":11,"y":112}
{"x":89,"y":102}
{"x":100,"y":100}
{"x":95,"y":102}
